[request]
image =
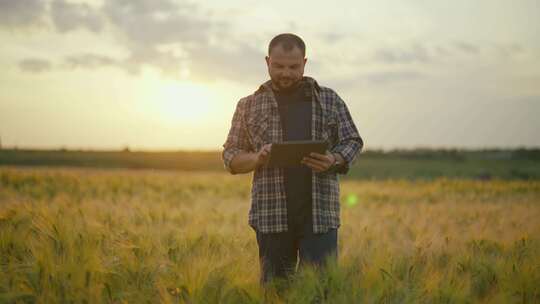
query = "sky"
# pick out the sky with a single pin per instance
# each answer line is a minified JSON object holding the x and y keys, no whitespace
{"x":166,"y":74}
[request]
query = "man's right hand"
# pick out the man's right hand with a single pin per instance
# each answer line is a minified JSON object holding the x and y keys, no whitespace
{"x":245,"y":162}
{"x":262,"y":157}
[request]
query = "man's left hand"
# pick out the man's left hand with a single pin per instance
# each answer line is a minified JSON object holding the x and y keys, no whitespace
{"x":319,"y":162}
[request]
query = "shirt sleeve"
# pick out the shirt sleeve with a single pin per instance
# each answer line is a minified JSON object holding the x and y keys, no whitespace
{"x":349,"y":141}
{"x":237,"y":140}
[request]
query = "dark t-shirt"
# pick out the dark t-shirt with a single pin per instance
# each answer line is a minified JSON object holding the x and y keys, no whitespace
{"x":295,"y":115}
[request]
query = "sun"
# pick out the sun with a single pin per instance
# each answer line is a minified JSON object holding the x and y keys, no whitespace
{"x":183,"y":102}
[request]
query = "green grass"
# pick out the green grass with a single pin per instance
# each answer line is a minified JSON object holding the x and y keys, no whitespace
{"x":429,"y":169}
{"x":517,"y":164}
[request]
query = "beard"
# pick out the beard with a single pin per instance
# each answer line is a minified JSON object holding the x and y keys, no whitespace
{"x":285,"y":83}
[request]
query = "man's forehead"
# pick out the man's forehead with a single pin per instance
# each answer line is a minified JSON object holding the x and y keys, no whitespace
{"x":278,"y":53}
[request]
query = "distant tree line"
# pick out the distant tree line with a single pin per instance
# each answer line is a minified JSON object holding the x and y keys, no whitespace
{"x":456,"y":154}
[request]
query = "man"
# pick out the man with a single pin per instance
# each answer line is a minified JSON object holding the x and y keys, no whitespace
{"x":294,"y":211}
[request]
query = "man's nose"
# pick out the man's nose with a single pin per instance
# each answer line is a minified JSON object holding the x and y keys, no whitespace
{"x":287,"y":72}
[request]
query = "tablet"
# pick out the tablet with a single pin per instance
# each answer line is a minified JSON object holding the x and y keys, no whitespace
{"x":290,"y":153}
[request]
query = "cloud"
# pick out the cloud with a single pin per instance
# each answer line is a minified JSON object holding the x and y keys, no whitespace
{"x":333,"y":37}
{"x":426,"y":53}
{"x":466,"y":47}
{"x":370,"y":79}
{"x":415,"y":54}
{"x":169,"y":36}
{"x":21,"y":13}
{"x":70,"y":16}
{"x":88,"y":60}
{"x":509,"y":50}
{"x":150,"y":23}
{"x":242,"y":63}
{"x":177,"y":37}
{"x":146,"y":29}
{"x":387,"y":77}
{"x":166,"y":62}
{"x":142,"y":27}
{"x":34,"y":65}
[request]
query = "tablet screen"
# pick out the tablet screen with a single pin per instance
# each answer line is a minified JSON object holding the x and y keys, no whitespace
{"x":290,"y":153}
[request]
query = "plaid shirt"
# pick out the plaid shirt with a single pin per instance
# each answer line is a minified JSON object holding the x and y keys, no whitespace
{"x":256,"y":122}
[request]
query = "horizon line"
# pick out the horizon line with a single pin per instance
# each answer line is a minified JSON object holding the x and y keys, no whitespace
{"x":208,"y":150}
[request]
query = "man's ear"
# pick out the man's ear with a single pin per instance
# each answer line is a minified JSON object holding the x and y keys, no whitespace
{"x":267,"y":61}
{"x":305,"y":60}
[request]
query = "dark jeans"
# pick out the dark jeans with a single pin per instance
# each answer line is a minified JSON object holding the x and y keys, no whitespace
{"x":279,"y":252}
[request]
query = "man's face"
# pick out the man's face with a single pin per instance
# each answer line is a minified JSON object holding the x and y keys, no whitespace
{"x":286,"y":68}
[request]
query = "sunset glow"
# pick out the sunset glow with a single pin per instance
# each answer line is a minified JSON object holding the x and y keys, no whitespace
{"x":167,"y":74}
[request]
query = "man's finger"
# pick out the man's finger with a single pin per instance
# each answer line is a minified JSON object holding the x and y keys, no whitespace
{"x":314,"y":164}
{"x":324,"y":162}
{"x":318,"y":156}
{"x":315,"y":161}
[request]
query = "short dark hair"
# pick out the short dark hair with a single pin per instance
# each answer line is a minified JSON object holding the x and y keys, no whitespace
{"x":288,"y":41}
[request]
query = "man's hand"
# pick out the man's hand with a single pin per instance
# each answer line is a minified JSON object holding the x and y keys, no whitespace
{"x":262,"y":157}
{"x":245,"y":162}
{"x":319,"y":162}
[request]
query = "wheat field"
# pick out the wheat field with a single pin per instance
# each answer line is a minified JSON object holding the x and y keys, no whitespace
{"x":121,"y":236}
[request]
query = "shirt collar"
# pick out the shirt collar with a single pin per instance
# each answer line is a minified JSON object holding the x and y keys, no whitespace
{"x":309,"y":83}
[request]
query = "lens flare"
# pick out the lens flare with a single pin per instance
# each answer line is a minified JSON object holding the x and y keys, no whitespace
{"x":351,"y":200}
